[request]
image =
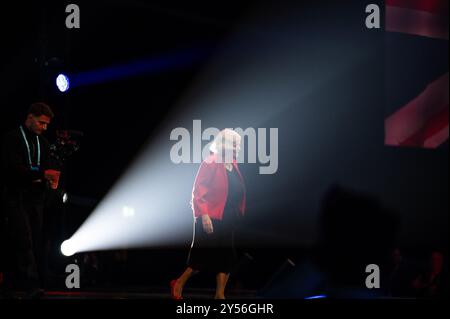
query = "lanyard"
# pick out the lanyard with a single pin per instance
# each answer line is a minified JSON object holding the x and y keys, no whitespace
{"x":29,"y":153}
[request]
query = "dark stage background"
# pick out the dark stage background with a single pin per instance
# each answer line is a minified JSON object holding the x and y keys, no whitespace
{"x":332,"y":135}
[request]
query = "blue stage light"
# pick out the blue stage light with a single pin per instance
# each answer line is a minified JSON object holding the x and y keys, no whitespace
{"x":316,"y":297}
{"x":62,"y":82}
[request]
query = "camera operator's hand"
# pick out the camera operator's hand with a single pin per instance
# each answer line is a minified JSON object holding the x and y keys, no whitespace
{"x":53,"y":177}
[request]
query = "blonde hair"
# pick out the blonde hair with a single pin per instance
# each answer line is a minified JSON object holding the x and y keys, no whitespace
{"x":225,"y":139}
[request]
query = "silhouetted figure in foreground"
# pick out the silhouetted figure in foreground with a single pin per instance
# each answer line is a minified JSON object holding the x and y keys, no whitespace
{"x":355,"y":231}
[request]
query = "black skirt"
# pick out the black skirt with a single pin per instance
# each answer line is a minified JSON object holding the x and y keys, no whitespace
{"x":216,"y":252}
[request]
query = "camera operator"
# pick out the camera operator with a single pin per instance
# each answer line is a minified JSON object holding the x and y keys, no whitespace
{"x":27,"y":170}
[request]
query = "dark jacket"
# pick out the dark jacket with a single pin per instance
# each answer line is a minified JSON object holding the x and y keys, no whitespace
{"x":20,"y":181}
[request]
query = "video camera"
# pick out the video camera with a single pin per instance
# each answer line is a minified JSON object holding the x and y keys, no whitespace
{"x":67,"y":142}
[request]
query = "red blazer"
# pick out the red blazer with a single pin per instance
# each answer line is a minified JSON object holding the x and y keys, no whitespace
{"x":210,"y":191}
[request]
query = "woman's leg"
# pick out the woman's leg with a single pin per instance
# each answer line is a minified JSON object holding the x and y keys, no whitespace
{"x":221,"y":282}
{"x":181,"y":281}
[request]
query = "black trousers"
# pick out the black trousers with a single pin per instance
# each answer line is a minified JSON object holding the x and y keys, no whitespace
{"x":24,"y":221}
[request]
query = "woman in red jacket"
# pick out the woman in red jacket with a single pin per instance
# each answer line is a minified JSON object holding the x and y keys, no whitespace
{"x":218,"y":202}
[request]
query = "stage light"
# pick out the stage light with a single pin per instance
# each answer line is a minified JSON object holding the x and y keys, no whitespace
{"x":67,"y":248}
{"x":127,"y":212}
{"x":62,"y":82}
{"x":316,"y":297}
{"x":149,"y":206}
{"x":153,"y":65}
{"x":65,"y":198}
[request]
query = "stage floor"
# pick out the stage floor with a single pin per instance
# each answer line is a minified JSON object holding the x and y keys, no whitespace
{"x":142,"y":293}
